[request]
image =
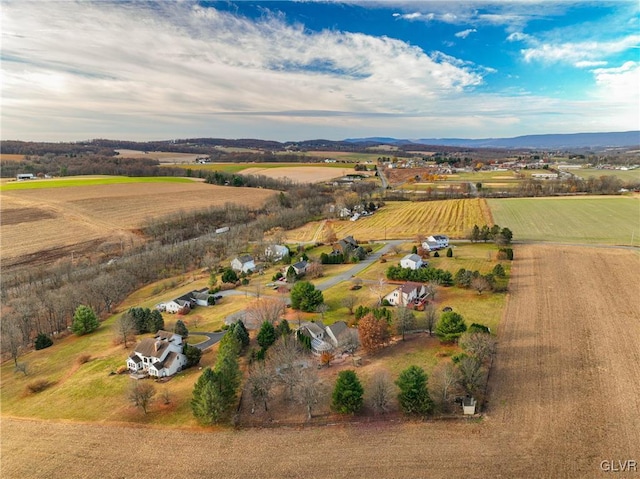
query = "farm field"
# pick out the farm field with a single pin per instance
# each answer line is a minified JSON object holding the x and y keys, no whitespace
{"x":625,"y":176}
{"x":88,"y":181}
{"x":401,"y":219}
{"x":167,"y":157}
{"x":594,"y":220}
{"x":562,"y":399}
{"x":52,"y":223}
{"x":302,"y":174}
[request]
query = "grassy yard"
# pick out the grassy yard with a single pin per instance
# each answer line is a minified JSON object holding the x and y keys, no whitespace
{"x":595,"y":219}
{"x":625,"y":176}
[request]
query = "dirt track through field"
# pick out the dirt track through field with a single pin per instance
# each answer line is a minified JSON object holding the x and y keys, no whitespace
{"x":564,"y":396}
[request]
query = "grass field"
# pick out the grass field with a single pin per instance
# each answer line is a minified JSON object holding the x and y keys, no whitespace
{"x":629,"y":175}
{"x":606,"y":220}
{"x":88,"y":181}
{"x":400,"y":220}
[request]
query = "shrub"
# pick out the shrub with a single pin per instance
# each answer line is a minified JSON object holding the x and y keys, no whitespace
{"x":43,"y":341}
{"x":478,"y":328}
{"x":436,"y":255}
{"x":38,"y":385}
{"x":83,"y":358}
{"x":122,"y":369}
{"x":498,"y":270}
{"x":193,"y":355}
{"x":449,"y":253}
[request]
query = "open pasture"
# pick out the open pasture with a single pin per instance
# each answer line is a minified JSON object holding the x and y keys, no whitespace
{"x":11,"y":157}
{"x":46,"y":224}
{"x":302,"y":174}
{"x":589,"y":219}
{"x":403,"y":219}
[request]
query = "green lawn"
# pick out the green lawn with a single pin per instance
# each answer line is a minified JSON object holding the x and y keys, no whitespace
{"x":239,"y":167}
{"x":89,"y":181}
{"x":606,"y":219}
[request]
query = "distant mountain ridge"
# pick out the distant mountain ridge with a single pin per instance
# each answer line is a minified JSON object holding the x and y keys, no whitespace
{"x":550,"y":141}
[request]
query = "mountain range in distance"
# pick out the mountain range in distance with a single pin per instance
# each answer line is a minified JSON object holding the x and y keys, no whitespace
{"x":550,"y":141}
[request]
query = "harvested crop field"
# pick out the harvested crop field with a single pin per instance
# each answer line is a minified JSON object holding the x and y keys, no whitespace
{"x":47,"y":224}
{"x":563,"y":398}
{"x":405,"y":220}
{"x":302,"y":174}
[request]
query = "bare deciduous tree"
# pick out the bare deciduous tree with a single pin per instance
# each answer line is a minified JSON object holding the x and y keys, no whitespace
{"x":378,"y":289}
{"x":322,"y":309}
{"x":380,"y":392}
{"x":141,"y":394}
{"x":480,"y":284}
{"x":12,"y":339}
{"x":350,"y":341}
{"x":349,"y":302}
{"x":265,"y":309}
{"x":443,"y":385}
{"x":260,"y":381}
{"x":124,"y":329}
{"x":471,"y":375}
{"x":405,"y":320}
{"x":430,"y":318}
{"x":309,"y":390}
{"x":285,"y":357}
{"x":481,"y":345}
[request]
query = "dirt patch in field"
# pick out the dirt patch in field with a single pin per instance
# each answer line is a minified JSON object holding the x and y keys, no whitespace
{"x":562,"y":398}
{"x":302,"y":174}
{"x":16,"y":216}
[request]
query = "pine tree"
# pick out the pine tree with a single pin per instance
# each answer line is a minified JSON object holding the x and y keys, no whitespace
{"x":207,"y":403}
{"x":181,"y":329}
{"x":414,"y":397}
{"x":347,"y":397}
{"x":267,"y":335}
{"x":85,"y":321}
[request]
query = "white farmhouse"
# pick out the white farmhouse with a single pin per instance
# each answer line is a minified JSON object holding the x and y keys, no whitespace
{"x":441,"y":241}
{"x":276,"y":252}
{"x":406,"y":294}
{"x":159,"y":356}
{"x":411,"y":261}
{"x":243,"y":263}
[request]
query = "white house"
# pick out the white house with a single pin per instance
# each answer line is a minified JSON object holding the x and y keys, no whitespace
{"x":411,"y":261}
{"x":430,"y":245}
{"x":276,"y":252}
{"x":243,"y":263}
{"x":159,"y":356}
{"x":177,"y":306}
{"x":441,"y":241}
{"x":325,"y":338}
{"x":406,"y":294}
{"x":300,"y":267}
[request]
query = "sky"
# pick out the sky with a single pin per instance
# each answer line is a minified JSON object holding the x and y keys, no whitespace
{"x":290,"y":71}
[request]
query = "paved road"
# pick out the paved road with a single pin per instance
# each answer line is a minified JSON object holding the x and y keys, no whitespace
{"x":213,"y":339}
{"x":358,"y":267}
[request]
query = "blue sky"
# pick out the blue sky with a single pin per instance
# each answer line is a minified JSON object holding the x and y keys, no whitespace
{"x":304,"y":70}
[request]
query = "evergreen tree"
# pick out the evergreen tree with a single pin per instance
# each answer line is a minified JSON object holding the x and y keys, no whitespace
{"x":267,"y":335}
{"x":193,"y":355}
{"x":155,"y":321}
{"x":85,"y":321}
{"x":43,"y":341}
{"x":347,"y":397}
{"x":306,"y":297}
{"x":181,"y":329}
{"x":449,"y":253}
{"x":229,"y":276}
{"x":414,"y":397}
{"x":239,"y":330}
{"x":450,"y":326}
{"x":207,"y":403}
{"x":283,"y":328}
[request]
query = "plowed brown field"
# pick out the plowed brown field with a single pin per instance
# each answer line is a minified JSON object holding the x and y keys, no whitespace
{"x":42,"y":225}
{"x":564,"y":396}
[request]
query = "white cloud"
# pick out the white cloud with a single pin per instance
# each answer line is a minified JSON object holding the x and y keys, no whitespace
{"x":192,"y":62}
{"x":589,"y":64}
{"x":465,"y":33}
{"x":573,"y":52}
{"x":518,"y":37}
